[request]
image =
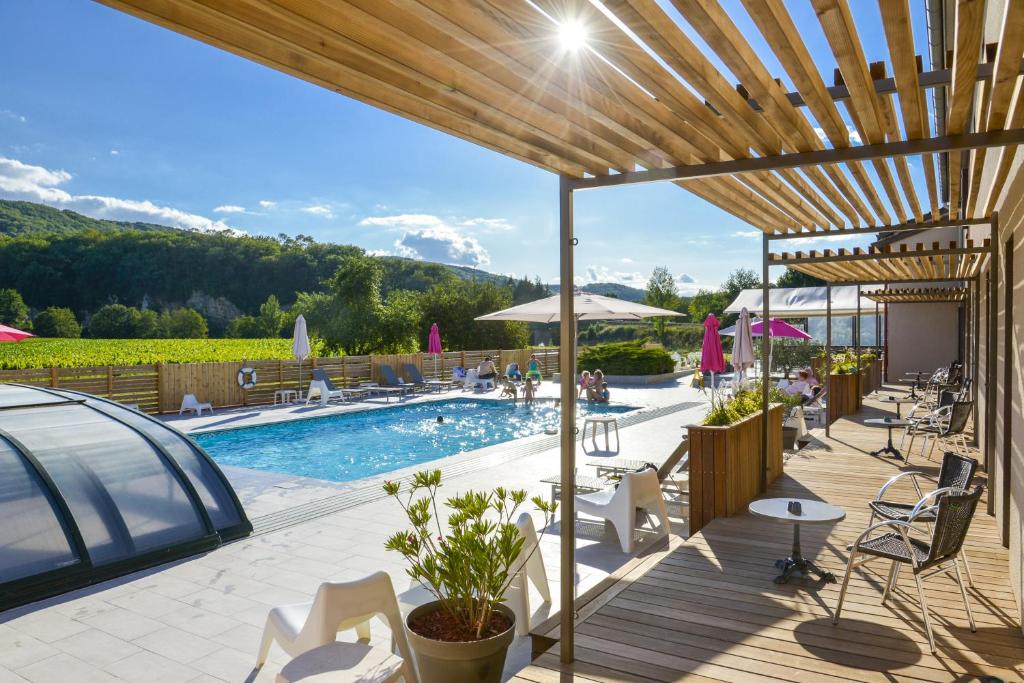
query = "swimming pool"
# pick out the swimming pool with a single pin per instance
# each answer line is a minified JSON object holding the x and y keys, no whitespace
{"x":367,"y":443}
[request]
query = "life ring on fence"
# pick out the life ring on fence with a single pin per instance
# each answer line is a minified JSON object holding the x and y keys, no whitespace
{"x":247,"y":378}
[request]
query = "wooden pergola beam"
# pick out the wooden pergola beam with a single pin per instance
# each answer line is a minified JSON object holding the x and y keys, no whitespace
{"x":884,"y":150}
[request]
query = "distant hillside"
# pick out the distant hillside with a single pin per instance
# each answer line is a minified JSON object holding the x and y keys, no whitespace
{"x":62,"y":258}
{"x":30,"y":219}
{"x":610,"y":289}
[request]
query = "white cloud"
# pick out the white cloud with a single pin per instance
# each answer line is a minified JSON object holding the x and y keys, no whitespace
{"x":405,"y":221}
{"x":442,"y":243}
{"x":493,"y":224}
{"x":12,"y":115}
{"x":625,"y":260}
{"x":822,"y":237}
{"x":267,"y":204}
{"x":229,"y":208}
{"x":852,"y":132}
{"x":319,"y":210}
{"x":114,"y":152}
{"x":687,"y":284}
{"x":38,"y":184}
{"x":747,"y":233}
{"x":378,"y":252}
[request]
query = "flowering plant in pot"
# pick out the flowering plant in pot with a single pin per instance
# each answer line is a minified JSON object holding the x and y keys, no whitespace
{"x":468,"y":567}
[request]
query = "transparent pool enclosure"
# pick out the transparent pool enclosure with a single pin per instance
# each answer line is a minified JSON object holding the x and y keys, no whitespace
{"x":90,"y":490}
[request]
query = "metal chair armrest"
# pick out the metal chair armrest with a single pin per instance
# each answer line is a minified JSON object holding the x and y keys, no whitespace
{"x":902,"y":527}
{"x":913,"y":473}
{"x":922,"y":505}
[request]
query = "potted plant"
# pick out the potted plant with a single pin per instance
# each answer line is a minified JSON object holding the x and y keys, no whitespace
{"x":464,"y":633}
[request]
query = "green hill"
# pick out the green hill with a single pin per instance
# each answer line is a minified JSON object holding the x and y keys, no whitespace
{"x":610,"y":289}
{"x":29,"y":219}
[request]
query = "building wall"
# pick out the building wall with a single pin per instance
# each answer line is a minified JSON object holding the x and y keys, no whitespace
{"x":922,"y":337}
{"x":1011,"y":228}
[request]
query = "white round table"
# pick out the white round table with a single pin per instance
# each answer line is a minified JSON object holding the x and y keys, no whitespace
{"x":338,"y":662}
{"x":812,"y":512}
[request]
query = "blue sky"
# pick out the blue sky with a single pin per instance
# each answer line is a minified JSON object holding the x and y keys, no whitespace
{"x":115,"y":117}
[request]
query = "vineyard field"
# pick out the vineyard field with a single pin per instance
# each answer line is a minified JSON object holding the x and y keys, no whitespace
{"x":70,"y":353}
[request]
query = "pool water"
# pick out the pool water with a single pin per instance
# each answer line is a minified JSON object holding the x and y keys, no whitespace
{"x":372,"y":442}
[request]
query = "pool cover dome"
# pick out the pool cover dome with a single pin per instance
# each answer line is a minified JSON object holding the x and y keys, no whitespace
{"x":90,"y":489}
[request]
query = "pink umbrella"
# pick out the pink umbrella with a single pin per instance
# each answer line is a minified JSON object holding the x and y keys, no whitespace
{"x":776,"y":328}
{"x":9,"y":334}
{"x":434,"y":345}
{"x":711,"y":357}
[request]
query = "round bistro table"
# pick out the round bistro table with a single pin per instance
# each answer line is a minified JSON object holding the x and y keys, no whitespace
{"x":813,"y":512}
{"x":889,"y":423}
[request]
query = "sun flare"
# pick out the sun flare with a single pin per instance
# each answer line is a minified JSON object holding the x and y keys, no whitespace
{"x":572,"y":35}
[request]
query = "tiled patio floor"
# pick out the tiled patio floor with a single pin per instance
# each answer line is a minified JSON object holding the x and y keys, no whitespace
{"x":201,"y":619}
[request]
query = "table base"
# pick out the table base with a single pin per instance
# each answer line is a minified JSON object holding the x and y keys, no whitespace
{"x":889,"y":448}
{"x":796,"y":562}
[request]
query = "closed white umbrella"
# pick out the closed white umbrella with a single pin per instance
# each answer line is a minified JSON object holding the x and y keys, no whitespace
{"x":300,"y":346}
{"x":743,"y":344}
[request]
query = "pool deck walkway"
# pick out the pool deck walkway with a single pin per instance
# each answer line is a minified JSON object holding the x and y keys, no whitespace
{"x":200,"y":619}
{"x":706,"y":609}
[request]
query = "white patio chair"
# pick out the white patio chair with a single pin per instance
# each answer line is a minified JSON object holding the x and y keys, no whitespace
{"x":636,"y":490}
{"x":338,"y":607}
{"x":191,"y":403}
{"x":528,"y":568}
{"x":473,"y":380}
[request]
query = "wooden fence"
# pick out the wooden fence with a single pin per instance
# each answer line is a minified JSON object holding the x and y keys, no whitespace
{"x":725,"y":465}
{"x":159,"y":388}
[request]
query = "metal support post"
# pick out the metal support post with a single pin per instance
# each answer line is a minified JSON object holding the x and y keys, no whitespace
{"x":567,"y":370}
{"x":765,"y":353}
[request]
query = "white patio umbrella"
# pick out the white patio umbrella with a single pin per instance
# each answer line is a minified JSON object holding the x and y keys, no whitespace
{"x":743,"y":345}
{"x":585,"y":307}
{"x":300,"y":345}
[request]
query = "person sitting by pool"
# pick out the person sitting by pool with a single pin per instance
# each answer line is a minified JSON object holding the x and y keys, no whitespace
{"x":528,"y":390}
{"x":801,"y":386}
{"x":584,"y":383}
{"x":811,"y":379}
{"x":513,"y":372}
{"x":533,"y":368}
{"x":486,"y":369}
{"x":508,"y":389}
{"x":594,"y":390}
{"x":603,"y":395}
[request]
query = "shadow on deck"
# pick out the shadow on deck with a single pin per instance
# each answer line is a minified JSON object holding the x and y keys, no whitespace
{"x":705,"y":608}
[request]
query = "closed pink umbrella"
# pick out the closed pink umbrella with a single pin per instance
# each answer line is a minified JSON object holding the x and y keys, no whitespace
{"x":434,"y":345}
{"x":9,"y":334}
{"x":712,"y":359}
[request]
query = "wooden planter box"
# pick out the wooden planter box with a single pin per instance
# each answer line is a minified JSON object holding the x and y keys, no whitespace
{"x":725,"y":465}
{"x":843,"y":396}
{"x":870,"y":377}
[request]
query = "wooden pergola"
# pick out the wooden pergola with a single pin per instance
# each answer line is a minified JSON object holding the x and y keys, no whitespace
{"x":639,"y":101}
{"x":917,"y":295}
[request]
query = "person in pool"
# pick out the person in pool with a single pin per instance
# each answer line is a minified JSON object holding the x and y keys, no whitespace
{"x":603,"y":396}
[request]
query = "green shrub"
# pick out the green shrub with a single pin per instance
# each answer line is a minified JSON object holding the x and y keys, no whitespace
{"x":625,"y":358}
{"x":57,"y":322}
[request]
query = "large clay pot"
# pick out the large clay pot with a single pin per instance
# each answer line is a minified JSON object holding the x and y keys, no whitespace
{"x":480,"y":661}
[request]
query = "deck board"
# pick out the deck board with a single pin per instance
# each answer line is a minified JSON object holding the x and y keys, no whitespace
{"x":705,"y":608}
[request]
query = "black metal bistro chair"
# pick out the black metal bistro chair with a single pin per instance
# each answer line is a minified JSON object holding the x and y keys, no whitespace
{"x":947,"y":424}
{"x":901,"y":543}
{"x":955,"y":474}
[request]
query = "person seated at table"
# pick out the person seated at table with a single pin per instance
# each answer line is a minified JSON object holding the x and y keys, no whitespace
{"x":513,"y":372}
{"x":486,"y":369}
{"x":603,"y":395}
{"x":594,"y":390}
{"x":584,"y":383}
{"x":533,"y":368}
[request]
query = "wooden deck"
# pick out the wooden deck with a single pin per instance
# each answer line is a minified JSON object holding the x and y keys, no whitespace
{"x":706,"y":608}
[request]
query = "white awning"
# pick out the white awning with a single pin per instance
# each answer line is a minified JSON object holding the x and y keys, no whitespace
{"x":800,"y":302}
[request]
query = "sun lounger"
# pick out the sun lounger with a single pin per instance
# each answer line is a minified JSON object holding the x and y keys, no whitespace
{"x":191,"y":403}
{"x":413,"y":373}
{"x":326,"y":389}
{"x":392,"y":381}
{"x":671,"y":469}
{"x":584,"y":484}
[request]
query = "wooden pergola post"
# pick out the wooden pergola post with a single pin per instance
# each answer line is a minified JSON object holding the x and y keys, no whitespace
{"x":567,"y":370}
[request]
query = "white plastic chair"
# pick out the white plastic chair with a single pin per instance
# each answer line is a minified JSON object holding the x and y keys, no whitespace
{"x":636,"y":490}
{"x":473,"y":380}
{"x":338,"y":607}
{"x":190,"y":402}
{"x":528,"y":568}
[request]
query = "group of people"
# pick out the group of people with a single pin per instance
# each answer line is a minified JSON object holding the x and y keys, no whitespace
{"x":513,"y":375}
{"x":594,"y":386}
{"x":806,"y":385}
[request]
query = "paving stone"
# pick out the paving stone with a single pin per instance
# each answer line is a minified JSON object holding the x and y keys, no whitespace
{"x":96,"y":647}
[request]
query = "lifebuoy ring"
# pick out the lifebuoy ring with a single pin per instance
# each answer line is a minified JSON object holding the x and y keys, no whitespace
{"x":247,"y":378}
